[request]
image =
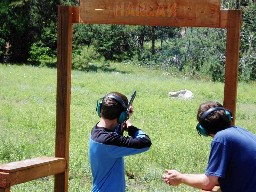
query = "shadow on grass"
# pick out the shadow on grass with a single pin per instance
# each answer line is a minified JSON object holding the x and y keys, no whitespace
{"x":103,"y":68}
{"x":88,"y":68}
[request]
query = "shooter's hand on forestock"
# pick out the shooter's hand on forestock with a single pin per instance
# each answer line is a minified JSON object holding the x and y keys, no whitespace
{"x":127,"y":123}
{"x":130,"y":111}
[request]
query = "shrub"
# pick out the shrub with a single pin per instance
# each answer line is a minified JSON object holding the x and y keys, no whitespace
{"x":83,"y":56}
{"x":42,"y":55}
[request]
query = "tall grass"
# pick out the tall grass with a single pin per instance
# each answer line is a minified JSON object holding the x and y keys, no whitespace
{"x":28,"y":110}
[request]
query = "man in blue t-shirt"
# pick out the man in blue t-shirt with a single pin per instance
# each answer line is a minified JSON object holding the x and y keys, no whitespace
{"x":108,"y":146}
{"x":232,"y":160}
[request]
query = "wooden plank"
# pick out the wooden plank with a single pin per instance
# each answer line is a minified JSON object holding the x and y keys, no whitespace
{"x":27,"y":164}
{"x":5,"y":189}
{"x":189,"y":13}
{"x":232,"y":60}
{"x":4,"y":180}
{"x":75,"y":15}
{"x":22,"y":171}
{"x":64,"y":57}
{"x":223,"y":18}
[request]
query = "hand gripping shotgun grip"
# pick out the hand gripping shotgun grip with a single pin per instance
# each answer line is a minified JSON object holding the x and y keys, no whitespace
{"x":122,"y":127}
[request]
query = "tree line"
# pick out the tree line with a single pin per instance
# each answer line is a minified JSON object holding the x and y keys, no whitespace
{"x":28,"y":34}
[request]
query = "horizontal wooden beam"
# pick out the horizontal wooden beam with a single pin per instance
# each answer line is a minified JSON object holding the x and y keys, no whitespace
{"x":76,"y":15}
{"x":22,"y":171}
{"x":180,"y":13}
{"x":223,"y":20}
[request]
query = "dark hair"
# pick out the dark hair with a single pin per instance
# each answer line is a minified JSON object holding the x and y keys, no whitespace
{"x":111,"y":107}
{"x":216,"y":121}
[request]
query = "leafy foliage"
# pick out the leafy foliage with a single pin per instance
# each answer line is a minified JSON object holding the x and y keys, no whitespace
{"x":83,"y":57}
{"x":114,"y":42}
{"x":248,"y":44}
{"x":14,"y":28}
{"x":30,"y":28}
{"x":42,"y":55}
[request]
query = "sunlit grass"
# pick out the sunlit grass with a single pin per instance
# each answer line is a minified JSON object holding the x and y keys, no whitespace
{"x":28,"y":110}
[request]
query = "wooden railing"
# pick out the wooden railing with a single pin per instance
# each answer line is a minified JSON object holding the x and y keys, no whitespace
{"x":27,"y":170}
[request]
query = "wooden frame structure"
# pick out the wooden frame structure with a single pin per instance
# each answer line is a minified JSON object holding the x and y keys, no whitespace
{"x":179,"y":13}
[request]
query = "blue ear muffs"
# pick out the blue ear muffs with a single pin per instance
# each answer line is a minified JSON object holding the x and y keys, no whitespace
{"x":200,"y":129}
{"x":123,"y":116}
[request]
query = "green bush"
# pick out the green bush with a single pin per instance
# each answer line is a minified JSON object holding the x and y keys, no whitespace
{"x":83,"y":57}
{"x":42,"y":55}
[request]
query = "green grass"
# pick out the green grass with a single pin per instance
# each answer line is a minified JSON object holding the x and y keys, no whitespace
{"x":28,"y":114}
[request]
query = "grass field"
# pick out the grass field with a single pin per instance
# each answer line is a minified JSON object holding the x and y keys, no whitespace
{"x":28,"y":110}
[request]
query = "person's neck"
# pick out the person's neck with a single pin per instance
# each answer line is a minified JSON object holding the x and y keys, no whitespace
{"x":107,"y":123}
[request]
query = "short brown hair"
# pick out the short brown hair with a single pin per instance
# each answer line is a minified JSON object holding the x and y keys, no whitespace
{"x":216,"y":121}
{"x":113,"y":104}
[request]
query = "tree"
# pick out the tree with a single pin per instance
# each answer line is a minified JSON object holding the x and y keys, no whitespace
{"x":14,"y":28}
{"x":247,"y":66}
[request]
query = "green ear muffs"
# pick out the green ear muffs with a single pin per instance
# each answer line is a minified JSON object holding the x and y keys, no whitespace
{"x":200,"y":129}
{"x":123,"y":116}
{"x":98,"y":107}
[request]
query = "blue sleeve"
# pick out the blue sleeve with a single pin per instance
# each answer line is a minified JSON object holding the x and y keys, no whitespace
{"x":218,"y":160}
{"x":138,"y":143}
{"x":124,"y":151}
{"x":118,"y":145}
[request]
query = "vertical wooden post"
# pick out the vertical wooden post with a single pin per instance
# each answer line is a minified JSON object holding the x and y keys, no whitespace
{"x":64,"y":58}
{"x":232,"y":60}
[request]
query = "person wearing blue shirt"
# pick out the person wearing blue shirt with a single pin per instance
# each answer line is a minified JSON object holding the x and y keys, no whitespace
{"x":108,"y":145}
{"x":232,"y":159}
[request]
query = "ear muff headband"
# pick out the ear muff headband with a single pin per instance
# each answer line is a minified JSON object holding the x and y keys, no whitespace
{"x":123,"y":116}
{"x":117,"y":98}
{"x":200,"y":129}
